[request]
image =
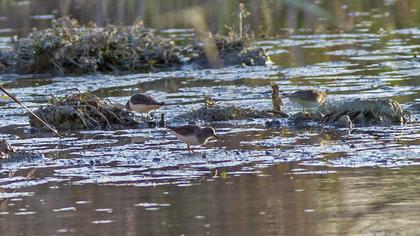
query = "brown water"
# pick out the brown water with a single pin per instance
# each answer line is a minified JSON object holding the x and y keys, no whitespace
{"x":272,"y":202}
{"x":255,"y":181}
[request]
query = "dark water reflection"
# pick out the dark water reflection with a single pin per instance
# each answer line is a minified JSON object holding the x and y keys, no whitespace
{"x":286,"y":181}
{"x":274,"y":201}
{"x":267,"y":17}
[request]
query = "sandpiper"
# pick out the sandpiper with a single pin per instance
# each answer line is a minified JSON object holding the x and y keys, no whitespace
{"x":193,"y":134}
{"x":143,"y":103}
{"x":308,"y":98}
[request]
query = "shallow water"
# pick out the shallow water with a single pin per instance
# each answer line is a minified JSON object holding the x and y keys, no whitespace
{"x":283,"y":181}
{"x":271,"y":201}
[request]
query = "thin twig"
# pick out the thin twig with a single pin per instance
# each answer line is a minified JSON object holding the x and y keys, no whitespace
{"x":32,"y":113}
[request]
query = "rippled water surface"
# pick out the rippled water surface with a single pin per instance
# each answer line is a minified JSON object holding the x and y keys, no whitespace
{"x":257,"y":181}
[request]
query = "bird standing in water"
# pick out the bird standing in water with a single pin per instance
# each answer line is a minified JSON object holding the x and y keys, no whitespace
{"x":193,"y":135}
{"x":308,"y":98}
{"x":143,"y":103}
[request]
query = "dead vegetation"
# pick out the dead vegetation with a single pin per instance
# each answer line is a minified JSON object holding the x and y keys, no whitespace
{"x":213,"y":111}
{"x":82,"y":111}
{"x":71,"y":48}
{"x":359,"y":112}
{"x":224,"y":113}
{"x":367,"y":112}
{"x":232,"y":50}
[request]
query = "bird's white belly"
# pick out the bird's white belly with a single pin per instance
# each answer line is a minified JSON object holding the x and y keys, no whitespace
{"x":143,"y":108}
{"x":189,"y":139}
{"x":304,"y":103}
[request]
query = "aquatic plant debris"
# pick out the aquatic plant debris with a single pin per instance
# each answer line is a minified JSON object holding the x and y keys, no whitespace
{"x":232,"y":50}
{"x":71,"y":48}
{"x":10,"y":154}
{"x":367,"y":112}
{"x":82,"y":111}
{"x":360,"y":112}
{"x":220,"y":112}
{"x":213,"y":111}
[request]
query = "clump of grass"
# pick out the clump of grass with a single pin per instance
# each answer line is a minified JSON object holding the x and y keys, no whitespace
{"x":367,"y":112}
{"x":82,"y":111}
{"x":69,"y":47}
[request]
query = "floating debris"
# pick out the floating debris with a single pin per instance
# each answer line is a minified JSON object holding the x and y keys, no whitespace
{"x":5,"y":149}
{"x":8,"y":153}
{"x":82,"y":111}
{"x":366,"y":112}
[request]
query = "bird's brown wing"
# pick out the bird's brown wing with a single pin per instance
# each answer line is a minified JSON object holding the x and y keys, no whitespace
{"x":307,"y":94}
{"x":184,"y":130}
{"x":141,"y":98}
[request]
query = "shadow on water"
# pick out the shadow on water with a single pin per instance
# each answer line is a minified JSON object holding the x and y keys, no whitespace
{"x":255,"y":180}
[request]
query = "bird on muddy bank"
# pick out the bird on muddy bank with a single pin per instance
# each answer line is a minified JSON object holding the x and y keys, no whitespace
{"x":193,"y":135}
{"x":307,"y":99}
{"x":143,"y":103}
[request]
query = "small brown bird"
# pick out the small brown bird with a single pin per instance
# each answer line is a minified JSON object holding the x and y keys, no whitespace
{"x":143,"y":103}
{"x":308,"y":98}
{"x":193,"y":135}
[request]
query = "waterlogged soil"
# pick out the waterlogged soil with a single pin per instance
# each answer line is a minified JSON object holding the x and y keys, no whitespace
{"x":286,"y":180}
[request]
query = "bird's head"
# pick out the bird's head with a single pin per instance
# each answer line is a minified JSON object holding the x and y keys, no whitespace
{"x":210,"y":132}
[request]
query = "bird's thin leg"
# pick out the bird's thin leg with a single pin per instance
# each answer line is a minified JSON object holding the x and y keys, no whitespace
{"x":189,"y":149}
